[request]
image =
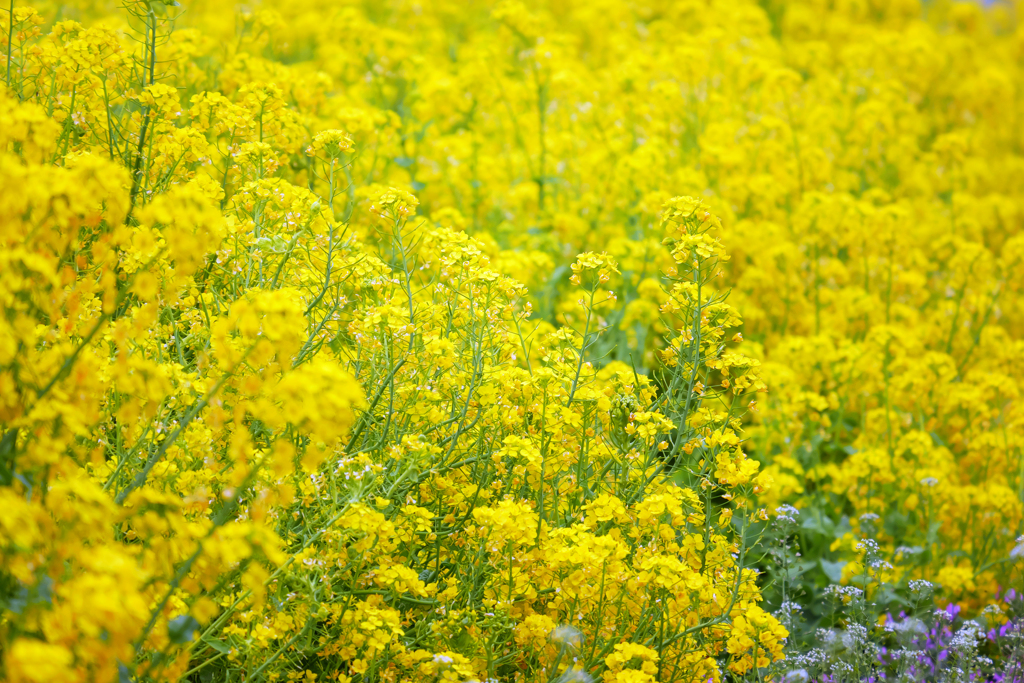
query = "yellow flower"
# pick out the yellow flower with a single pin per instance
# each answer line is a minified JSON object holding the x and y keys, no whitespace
{"x":35,"y":661}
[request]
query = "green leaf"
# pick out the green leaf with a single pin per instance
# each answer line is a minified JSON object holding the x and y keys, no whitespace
{"x":833,"y":570}
{"x":218,"y":645}
{"x":181,"y":629}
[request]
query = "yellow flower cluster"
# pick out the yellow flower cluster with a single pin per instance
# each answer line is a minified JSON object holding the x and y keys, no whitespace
{"x":373,"y":342}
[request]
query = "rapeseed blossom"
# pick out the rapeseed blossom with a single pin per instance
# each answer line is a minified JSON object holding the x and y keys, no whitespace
{"x":458,"y":342}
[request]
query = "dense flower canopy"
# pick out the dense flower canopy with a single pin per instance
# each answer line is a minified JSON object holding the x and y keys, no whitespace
{"x":450,"y":341}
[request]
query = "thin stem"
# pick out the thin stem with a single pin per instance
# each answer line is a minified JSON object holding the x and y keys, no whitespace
{"x":137,"y":166}
{"x":10,"y":42}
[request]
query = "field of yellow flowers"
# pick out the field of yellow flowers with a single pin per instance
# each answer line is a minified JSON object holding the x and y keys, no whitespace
{"x":567,"y":340}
